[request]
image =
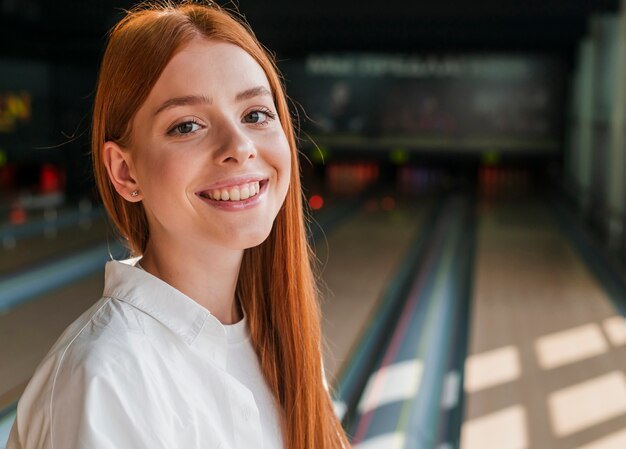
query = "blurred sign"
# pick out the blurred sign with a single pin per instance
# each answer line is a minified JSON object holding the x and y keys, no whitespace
{"x":418,"y":67}
{"x":460,"y":102}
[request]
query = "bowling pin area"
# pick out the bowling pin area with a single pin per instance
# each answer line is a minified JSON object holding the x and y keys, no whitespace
{"x":464,"y":306}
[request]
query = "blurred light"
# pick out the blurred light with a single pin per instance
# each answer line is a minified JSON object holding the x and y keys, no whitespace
{"x":3,"y":158}
{"x":316,"y":202}
{"x":399,"y":156}
{"x":491,"y":158}
{"x":588,"y":403}
{"x":319,"y":154}
{"x":14,"y":108}
{"x":17,"y":215}
{"x":50,"y":179}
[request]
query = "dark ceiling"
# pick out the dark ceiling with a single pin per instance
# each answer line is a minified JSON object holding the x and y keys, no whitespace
{"x":75,"y":29}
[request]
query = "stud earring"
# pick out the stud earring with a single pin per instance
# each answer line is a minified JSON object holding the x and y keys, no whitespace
{"x":134,"y":193}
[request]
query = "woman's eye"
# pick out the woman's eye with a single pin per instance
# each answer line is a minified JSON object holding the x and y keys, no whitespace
{"x":258,"y":117}
{"x":184,"y":128}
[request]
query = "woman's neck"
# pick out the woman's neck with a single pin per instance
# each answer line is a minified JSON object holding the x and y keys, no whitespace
{"x":209,"y":276}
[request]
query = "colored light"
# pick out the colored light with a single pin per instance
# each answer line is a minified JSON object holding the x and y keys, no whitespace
{"x":491,"y":158}
{"x":17,"y":215}
{"x":399,"y":156}
{"x":319,"y":155}
{"x":316,"y":202}
{"x":50,"y":179}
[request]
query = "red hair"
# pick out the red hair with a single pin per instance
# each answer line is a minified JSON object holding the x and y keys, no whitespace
{"x":276,"y":286}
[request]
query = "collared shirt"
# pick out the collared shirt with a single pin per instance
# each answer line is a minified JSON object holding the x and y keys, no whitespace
{"x":148,"y":367}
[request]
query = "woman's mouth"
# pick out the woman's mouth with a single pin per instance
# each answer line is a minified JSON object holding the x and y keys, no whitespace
{"x":241,"y":195}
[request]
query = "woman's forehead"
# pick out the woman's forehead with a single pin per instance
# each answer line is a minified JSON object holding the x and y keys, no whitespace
{"x":210,"y":68}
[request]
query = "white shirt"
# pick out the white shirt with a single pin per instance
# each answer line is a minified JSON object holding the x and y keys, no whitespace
{"x":148,"y":367}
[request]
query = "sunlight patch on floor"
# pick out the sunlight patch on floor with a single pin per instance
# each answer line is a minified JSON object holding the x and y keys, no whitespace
{"x":504,"y":429}
{"x":615,"y":328}
{"x":397,"y":382}
{"x":569,"y":346}
{"x":492,"y":368}
{"x":588,"y":403}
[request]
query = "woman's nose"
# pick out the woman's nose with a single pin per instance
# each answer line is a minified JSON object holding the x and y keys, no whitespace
{"x":236,"y":146}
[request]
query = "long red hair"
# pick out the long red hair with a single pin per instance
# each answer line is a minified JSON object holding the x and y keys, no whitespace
{"x":276,"y":286}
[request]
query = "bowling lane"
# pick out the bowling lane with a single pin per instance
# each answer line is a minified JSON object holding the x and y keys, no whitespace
{"x":39,"y":241}
{"x":27,"y":332}
{"x":357,"y":262}
{"x":547,"y":352}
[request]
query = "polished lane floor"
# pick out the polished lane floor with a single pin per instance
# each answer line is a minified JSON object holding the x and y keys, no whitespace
{"x":546,"y":365}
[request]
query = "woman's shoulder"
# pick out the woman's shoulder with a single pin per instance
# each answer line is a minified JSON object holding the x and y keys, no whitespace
{"x":102,"y":335}
{"x":101,"y":346}
{"x":107,"y":325}
{"x":108,"y":335}
{"x":96,"y":366}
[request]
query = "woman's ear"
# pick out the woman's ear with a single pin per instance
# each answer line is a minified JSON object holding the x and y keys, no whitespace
{"x":118,"y":164}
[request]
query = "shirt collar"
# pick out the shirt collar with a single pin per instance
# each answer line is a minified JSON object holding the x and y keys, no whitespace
{"x":175,"y":310}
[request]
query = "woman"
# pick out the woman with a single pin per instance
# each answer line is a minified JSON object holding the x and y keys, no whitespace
{"x":212,"y":340}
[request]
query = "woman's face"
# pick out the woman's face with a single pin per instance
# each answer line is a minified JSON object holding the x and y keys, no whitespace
{"x":209,"y":155}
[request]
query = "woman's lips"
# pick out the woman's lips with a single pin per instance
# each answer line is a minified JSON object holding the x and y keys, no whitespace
{"x":234,"y":181}
{"x":233,"y":193}
{"x":235,"y":197}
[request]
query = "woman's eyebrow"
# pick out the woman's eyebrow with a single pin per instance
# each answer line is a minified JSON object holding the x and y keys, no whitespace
{"x":187,"y":100}
{"x":252,"y":92}
{"x":192,"y":100}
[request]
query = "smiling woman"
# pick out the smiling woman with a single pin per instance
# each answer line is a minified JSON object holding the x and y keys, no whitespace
{"x":210,"y":336}
{"x":208,"y":127}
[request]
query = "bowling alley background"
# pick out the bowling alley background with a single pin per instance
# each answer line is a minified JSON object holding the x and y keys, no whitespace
{"x":463,"y":166}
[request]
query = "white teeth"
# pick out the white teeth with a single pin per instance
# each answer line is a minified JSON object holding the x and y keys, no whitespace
{"x":237,"y":193}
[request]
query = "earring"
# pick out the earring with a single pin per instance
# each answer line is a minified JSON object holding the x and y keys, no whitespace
{"x":134,"y":193}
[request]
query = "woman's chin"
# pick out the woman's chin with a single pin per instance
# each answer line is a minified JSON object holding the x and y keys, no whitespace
{"x":250,"y":239}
